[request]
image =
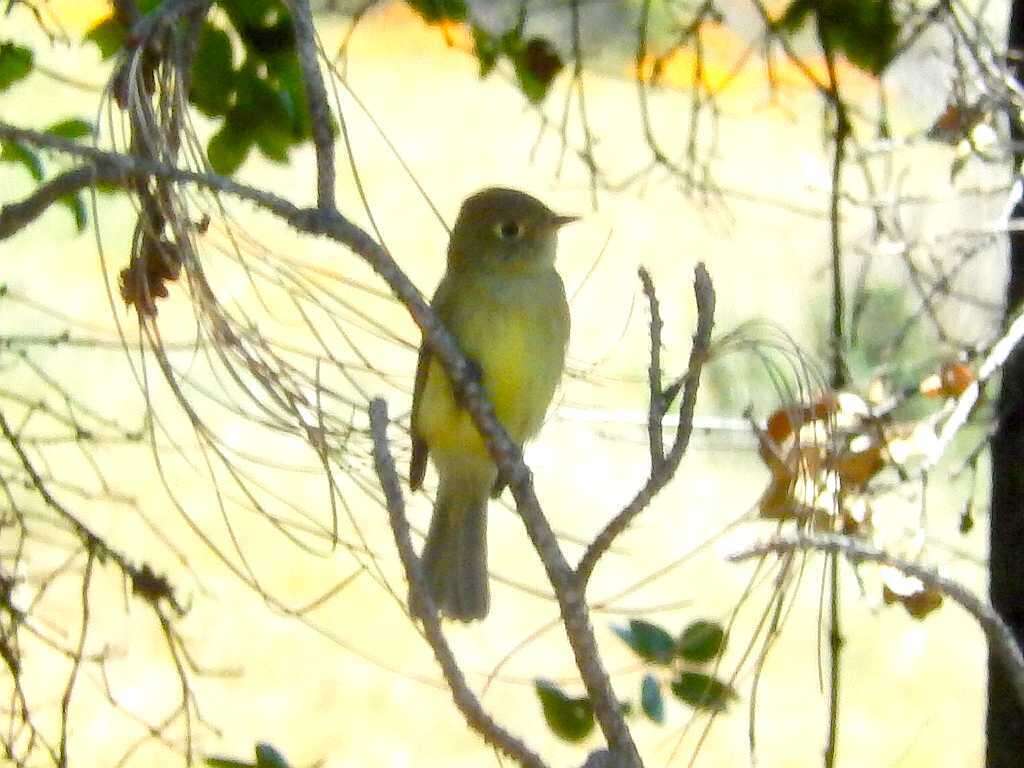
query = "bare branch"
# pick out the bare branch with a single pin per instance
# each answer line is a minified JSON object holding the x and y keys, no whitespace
{"x":166,"y":14}
{"x":464,"y":698}
{"x":663,"y":472}
{"x":1000,"y":637}
{"x":316,"y":100}
{"x":656,"y":406}
{"x":16,"y":216}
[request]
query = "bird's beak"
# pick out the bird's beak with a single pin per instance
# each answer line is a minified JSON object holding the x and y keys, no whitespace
{"x":558,"y":221}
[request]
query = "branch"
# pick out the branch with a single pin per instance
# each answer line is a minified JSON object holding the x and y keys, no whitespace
{"x":969,"y":398}
{"x":1000,"y":637}
{"x":164,"y":15}
{"x":504,"y":452}
{"x":16,"y":216}
{"x":656,"y":408}
{"x":464,"y":698}
{"x":316,"y":101}
{"x":663,"y":472}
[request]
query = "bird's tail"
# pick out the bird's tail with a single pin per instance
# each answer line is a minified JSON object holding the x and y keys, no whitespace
{"x":455,"y":556}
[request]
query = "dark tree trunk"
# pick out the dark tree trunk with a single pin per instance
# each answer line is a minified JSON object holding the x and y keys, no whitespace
{"x":1005,"y":727}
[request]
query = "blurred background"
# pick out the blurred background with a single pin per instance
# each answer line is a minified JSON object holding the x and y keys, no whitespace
{"x":295,"y":631}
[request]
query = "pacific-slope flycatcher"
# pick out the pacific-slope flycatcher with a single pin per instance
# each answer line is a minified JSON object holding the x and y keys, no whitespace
{"x":505,"y":304}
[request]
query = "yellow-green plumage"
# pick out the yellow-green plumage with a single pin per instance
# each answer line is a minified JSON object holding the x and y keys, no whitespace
{"x":505,"y":304}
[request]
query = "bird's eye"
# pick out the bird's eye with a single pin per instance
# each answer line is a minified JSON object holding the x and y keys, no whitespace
{"x":509,"y":230}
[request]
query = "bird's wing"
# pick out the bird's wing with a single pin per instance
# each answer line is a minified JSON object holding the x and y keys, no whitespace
{"x":418,"y":462}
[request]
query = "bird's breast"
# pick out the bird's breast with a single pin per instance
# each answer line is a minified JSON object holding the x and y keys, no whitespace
{"x":516,"y":332}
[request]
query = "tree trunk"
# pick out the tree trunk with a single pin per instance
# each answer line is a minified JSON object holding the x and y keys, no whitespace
{"x":1005,"y":726}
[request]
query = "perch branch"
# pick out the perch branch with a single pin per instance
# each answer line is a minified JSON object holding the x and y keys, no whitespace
{"x":332,"y":224}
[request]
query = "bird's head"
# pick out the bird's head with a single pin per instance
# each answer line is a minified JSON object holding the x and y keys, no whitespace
{"x":505,"y":230}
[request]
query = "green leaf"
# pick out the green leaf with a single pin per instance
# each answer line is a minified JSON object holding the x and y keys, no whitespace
{"x":71,"y":128}
{"x":486,"y":48}
{"x":245,"y":13}
{"x":226,"y":762}
{"x":865,"y":31}
{"x":15,"y":64}
{"x":648,"y":641}
{"x":702,"y":691}
{"x":274,"y":143}
{"x":263,"y":113}
{"x":285,"y":76}
{"x":268,"y":757}
{"x":701,"y":641}
{"x":440,"y":10}
{"x":15,"y":152}
{"x":536,"y":65}
{"x":213,"y":72}
{"x":795,"y":16}
{"x":76,"y":205}
{"x":651,"y":701}
{"x":108,"y":35}
{"x":271,"y":40}
{"x":228,"y":148}
{"x":568,"y":718}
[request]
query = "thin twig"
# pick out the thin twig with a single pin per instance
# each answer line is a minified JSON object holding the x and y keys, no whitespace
{"x":840,"y":373}
{"x":1000,"y":637}
{"x":662,"y":474}
{"x":465,"y":700}
{"x":656,"y":403}
{"x":316,"y":101}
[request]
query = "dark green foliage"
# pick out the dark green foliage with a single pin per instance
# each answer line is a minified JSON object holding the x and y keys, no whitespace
{"x":267,"y":756}
{"x":648,"y":641}
{"x":651,"y":701}
{"x":15,"y":64}
{"x":212,"y":72}
{"x":252,"y":13}
{"x":71,"y":128}
{"x":865,"y":31}
{"x":568,"y":718}
{"x":19,"y":154}
{"x":228,"y":148}
{"x":702,"y":691}
{"x":440,"y":10}
{"x":487,"y":49}
{"x":109,"y":36}
{"x":670,"y":661}
{"x":15,"y":152}
{"x":701,"y":641}
{"x":76,"y":206}
{"x":260,"y":101}
{"x":535,"y":60}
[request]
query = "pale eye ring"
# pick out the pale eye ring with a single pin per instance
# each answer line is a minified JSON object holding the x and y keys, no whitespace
{"x":509,"y":230}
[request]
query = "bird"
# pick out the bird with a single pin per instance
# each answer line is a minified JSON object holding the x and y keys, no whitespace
{"x":503,"y":300}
